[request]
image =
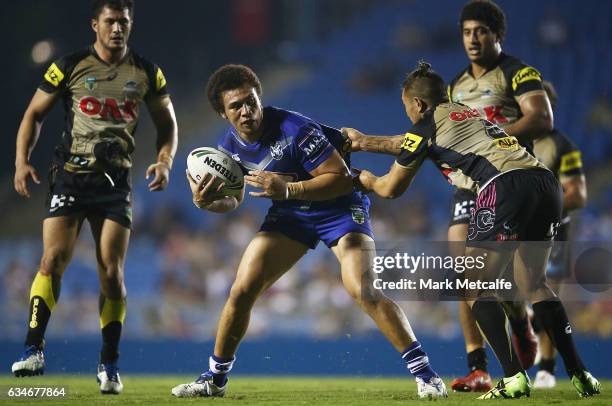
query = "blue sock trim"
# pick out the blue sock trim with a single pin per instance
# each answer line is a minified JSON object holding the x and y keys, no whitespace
{"x":222,"y":360}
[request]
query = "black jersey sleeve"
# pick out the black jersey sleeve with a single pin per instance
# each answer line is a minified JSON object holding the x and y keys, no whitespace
{"x":569,"y":156}
{"x":415,"y":146}
{"x":157,"y":81}
{"x":58,"y":73}
{"x":521,"y":78}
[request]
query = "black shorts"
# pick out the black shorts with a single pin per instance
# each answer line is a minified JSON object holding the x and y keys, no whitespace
{"x":464,"y":200}
{"x":107,"y":194}
{"x":521,"y":205}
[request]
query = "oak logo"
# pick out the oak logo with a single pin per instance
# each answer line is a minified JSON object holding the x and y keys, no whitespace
{"x":464,"y":115}
{"x":109,"y":108}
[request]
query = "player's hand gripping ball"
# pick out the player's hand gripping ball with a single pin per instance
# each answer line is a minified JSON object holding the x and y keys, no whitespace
{"x":206,"y":160}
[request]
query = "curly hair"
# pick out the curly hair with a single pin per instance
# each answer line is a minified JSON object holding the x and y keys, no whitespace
{"x":229,"y":77}
{"x":488,"y":12}
{"x":424,"y":83}
{"x":98,"y":6}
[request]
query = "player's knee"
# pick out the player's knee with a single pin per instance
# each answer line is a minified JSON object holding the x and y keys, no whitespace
{"x":54,"y":261}
{"x":112,"y":273}
{"x":242,"y":294}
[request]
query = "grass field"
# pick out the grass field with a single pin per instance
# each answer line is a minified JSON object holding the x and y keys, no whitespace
{"x":151,"y":390}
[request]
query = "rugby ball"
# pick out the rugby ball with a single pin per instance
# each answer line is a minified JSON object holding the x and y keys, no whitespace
{"x":205,"y":160}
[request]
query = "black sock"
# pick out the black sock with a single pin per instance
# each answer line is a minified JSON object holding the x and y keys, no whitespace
{"x":112,"y":315}
{"x":491,"y":319}
{"x":43,"y":296}
{"x":548,"y":365}
{"x":551,"y":315}
{"x":39,"y":317}
{"x":519,"y":326}
{"x":111,"y":334}
{"x":477,"y":359}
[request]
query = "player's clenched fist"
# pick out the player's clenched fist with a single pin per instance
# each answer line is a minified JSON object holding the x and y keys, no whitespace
{"x":355,"y":136}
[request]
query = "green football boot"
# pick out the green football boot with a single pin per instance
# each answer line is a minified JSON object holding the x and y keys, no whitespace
{"x":586,"y":384}
{"x":511,"y":387}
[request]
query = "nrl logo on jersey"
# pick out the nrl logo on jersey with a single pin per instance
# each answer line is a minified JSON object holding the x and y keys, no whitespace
{"x":90,"y":83}
{"x":277,"y":151}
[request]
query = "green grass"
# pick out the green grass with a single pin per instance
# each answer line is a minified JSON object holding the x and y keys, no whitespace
{"x":154,"y":389}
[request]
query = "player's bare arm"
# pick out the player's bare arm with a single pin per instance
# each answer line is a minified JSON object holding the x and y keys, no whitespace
{"x":202,"y":191}
{"x":574,"y":192}
{"x":537,"y":119}
{"x":393,"y":184}
{"x":381,"y":144}
{"x":330,"y":179}
{"x":27,"y":136}
{"x":164,"y":119}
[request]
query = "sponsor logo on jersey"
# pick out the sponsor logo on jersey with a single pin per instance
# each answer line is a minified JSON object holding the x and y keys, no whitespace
{"x":506,"y":143}
{"x":411,"y":142}
{"x":54,"y":75}
{"x":494,"y":114}
{"x":160,"y":80}
{"x":90,"y":83}
{"x":313,"y":145}
{"x":524,"y":75}
{"x":236,"y":157}
{"x":276,"y":151}
{"x":463,"y":115}
{"x":130,"y":90}
{"x":109,"y":108}
{"x":571,"y":160}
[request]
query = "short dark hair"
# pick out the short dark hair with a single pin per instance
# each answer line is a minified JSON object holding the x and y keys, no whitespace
{"x":424,"y":83}
{"x":488,"y":12}
{"x":98,"y":6}
{"x":551,"y":92}
{"x":229,"y":77}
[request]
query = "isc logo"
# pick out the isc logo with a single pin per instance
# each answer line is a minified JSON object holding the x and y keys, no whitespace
{"x":108,"y":109}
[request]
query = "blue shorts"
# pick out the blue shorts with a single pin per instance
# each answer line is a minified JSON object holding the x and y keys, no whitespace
{"x":327,"y":224}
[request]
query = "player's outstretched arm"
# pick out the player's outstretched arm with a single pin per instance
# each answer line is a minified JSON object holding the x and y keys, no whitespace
{"x":393,"y":184}
{"x":381,"y":144}
{"x":164,"y":119}
{"x":329,"y":180}
{"x":27,"y":136}
{"x":537,"y":119}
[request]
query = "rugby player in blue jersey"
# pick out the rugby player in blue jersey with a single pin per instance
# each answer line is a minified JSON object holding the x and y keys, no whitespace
{"x":302,"y":166}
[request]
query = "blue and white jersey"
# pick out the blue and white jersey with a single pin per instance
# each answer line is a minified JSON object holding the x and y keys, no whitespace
{"x":291,"y":145}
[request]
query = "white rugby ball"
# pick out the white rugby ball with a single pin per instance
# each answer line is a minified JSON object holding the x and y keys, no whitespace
{"x":205,"y":160}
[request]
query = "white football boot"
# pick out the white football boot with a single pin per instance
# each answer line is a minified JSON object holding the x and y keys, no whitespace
{"x":544,"y":380}
{"x":109,"y":380}
{"x":433,"y":389}
{"x":203,"y":386}
{"x":31,"y":362}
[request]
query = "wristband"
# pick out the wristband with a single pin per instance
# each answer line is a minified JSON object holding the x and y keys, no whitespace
{"x":295,"y":190}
